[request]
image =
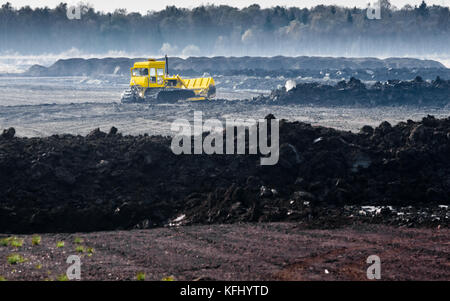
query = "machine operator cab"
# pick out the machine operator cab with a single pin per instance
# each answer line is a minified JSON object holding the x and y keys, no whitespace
{"x":148,"y":74}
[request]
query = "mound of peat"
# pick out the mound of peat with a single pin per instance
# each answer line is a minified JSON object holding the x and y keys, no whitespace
{"x":354,"y":92}
{"x":246,"y":65}
{"x":109,"y":181}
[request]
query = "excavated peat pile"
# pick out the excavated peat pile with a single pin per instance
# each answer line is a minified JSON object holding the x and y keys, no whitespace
{"x":109,"y":181}
{"x":354,"y":92}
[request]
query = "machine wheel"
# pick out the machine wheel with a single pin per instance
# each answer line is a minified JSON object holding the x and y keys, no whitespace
{"x":130,"y":95}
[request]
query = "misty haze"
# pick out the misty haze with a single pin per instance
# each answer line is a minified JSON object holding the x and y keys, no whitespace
{"x":420,"y":31}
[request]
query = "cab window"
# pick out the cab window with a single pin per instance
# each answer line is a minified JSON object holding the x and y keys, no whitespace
{"x":160,"y":72}
{"x":140,"y":72}
{"x":153,"y":75}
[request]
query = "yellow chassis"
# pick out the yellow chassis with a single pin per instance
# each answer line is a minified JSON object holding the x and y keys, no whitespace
{"x":204,"y":87}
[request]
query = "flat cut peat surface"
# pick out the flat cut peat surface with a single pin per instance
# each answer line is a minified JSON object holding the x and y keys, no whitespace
{"x":262,"y":251}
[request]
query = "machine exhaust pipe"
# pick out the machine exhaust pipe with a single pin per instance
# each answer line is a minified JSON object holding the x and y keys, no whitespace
{"x":167,"y":65}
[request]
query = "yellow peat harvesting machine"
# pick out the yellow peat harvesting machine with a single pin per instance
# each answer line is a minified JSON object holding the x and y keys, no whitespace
{"x":151,"y":82}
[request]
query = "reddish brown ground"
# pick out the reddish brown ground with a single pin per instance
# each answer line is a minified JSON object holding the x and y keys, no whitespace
{"x":273,"y":251}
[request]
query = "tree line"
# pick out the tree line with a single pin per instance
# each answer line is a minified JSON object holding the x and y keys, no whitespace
{"x":224,"y":30}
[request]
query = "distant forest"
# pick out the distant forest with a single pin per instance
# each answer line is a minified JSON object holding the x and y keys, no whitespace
{"x":225,"y":30}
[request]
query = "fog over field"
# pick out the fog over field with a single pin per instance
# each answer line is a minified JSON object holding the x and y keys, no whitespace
{"x":43,"y":34}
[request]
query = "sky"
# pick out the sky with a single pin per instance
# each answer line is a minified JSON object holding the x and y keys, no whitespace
{"x":143,"y":6}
